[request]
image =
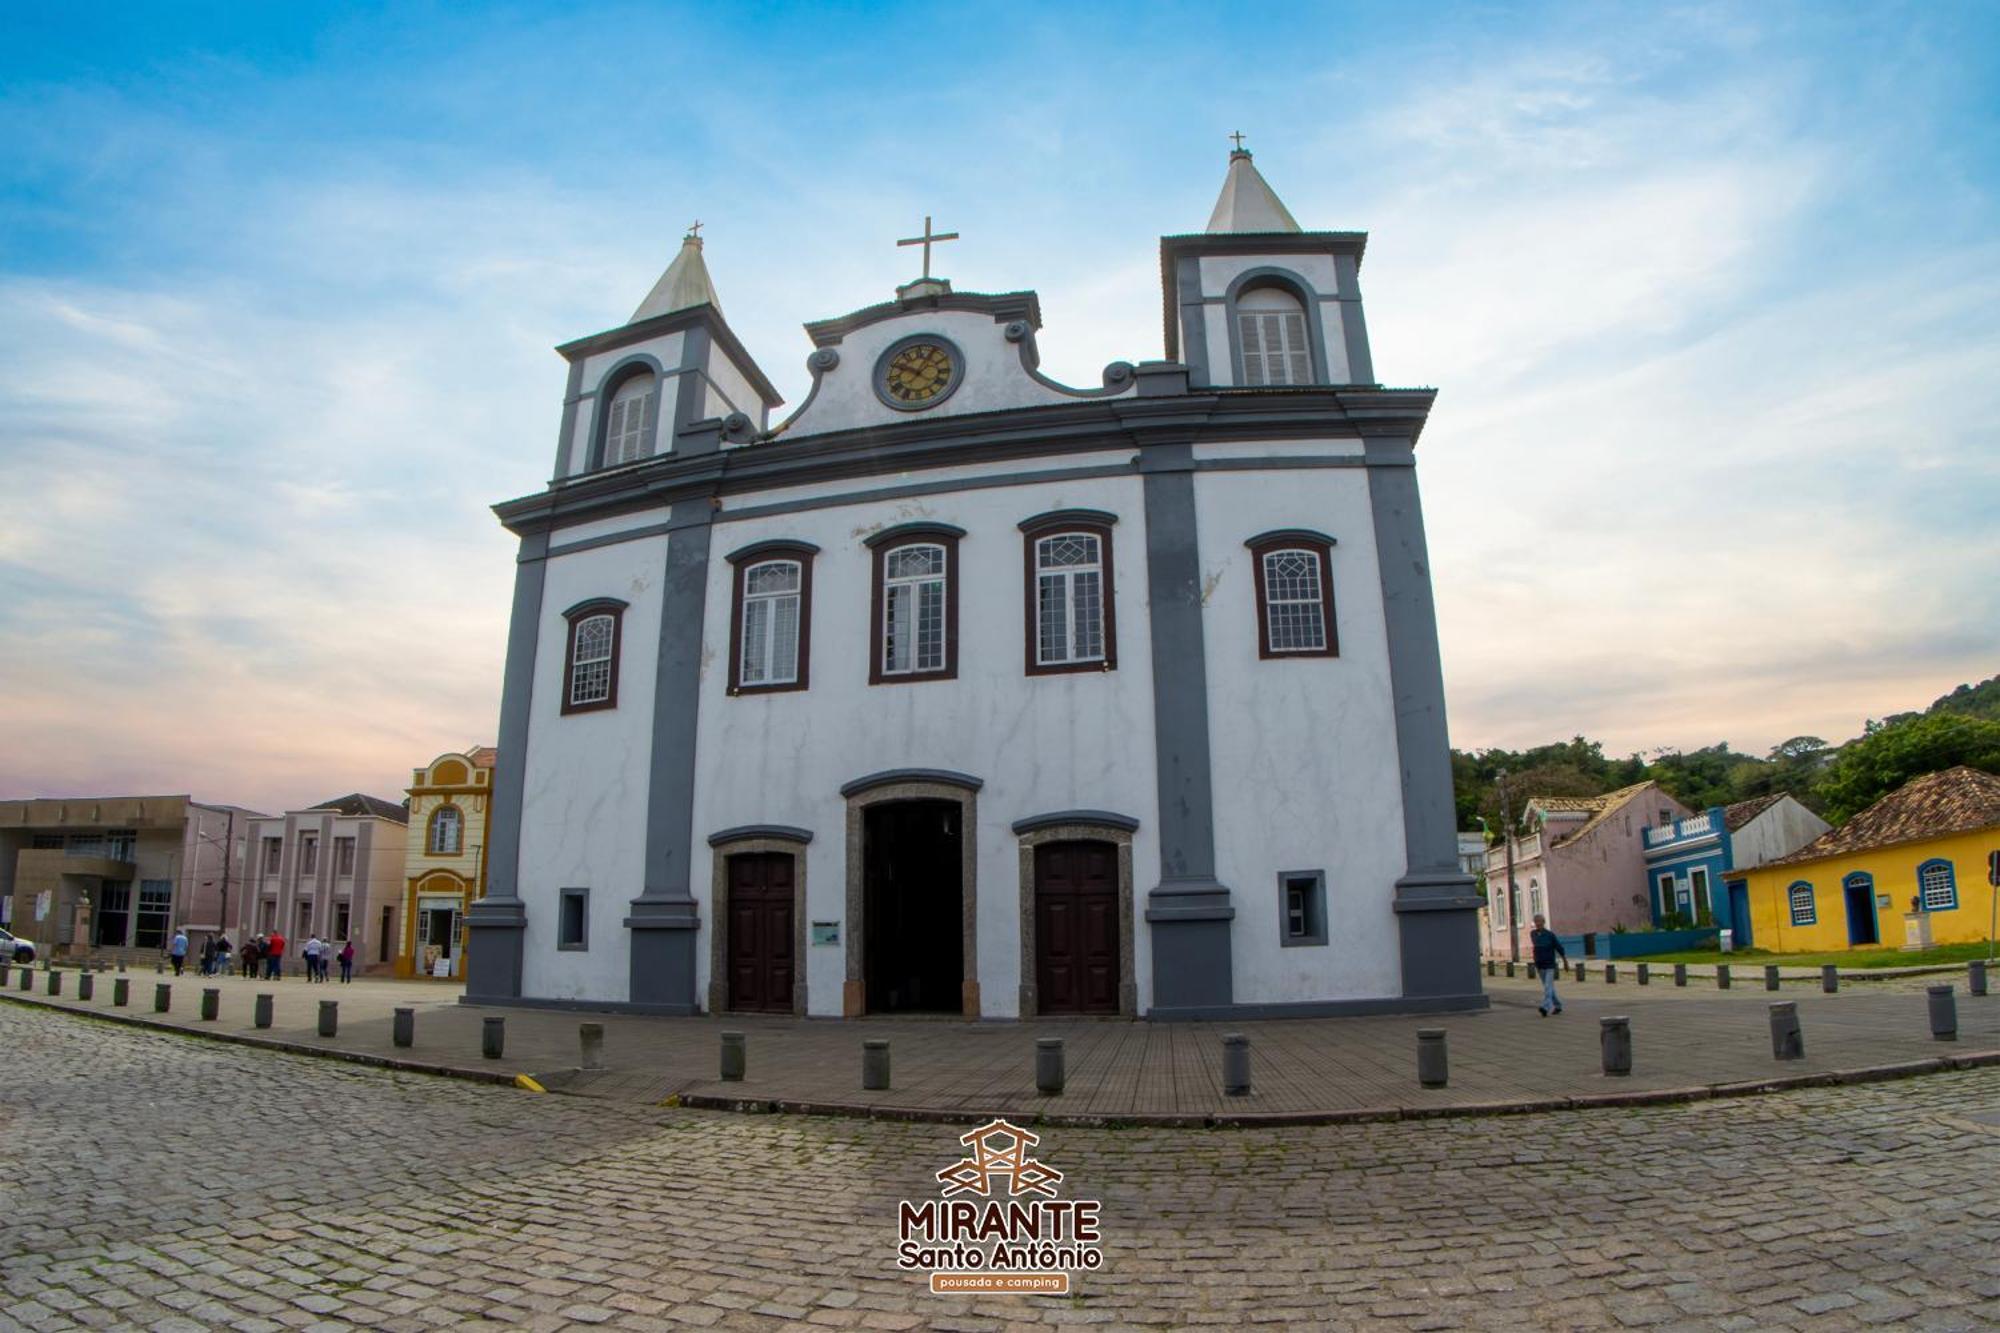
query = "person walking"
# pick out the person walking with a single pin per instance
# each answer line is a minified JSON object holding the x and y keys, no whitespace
{"x":1547,"y":949}
{"x":346,"y":961}
{"x":222,"y":951}
{"x":178,"y":950}
{"x":311,"y":952}
{"x":253,"y":954}
{"x":208,"y":955}
{"x":274,"y":956}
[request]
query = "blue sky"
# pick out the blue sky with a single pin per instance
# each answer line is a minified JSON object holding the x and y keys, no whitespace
{"x":1711,"y":294}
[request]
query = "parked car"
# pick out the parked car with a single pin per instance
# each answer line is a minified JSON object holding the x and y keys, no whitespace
{"x":16,"y":949}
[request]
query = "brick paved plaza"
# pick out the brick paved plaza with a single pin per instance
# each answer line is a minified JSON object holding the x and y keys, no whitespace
{"x":168,"y":1183}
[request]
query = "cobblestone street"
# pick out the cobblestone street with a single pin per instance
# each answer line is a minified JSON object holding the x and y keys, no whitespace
{"x":163,"y":1182}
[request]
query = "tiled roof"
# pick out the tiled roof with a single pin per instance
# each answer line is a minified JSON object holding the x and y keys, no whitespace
{"x":482,"y":756}
{"x":1736,"y":816}
{"x":356,"y":803}
{"x":1599,"y":808}
{"x":1958,"y":800}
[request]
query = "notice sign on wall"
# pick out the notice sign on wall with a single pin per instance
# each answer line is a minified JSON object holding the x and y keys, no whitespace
{"x":826,"y":932}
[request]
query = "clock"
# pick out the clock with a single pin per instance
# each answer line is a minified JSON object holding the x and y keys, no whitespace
{"x":918,"y":372}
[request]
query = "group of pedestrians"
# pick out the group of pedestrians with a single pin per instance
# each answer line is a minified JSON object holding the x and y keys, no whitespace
{"x":263,"y":954}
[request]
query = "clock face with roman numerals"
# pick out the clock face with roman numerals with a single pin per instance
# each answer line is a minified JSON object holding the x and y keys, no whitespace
{"x":918,"y":374}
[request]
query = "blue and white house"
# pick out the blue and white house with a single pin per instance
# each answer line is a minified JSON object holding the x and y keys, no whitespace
{"x":1694,"y":865}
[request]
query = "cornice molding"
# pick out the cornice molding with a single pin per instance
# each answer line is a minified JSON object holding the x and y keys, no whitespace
{"x":1002,"y":306}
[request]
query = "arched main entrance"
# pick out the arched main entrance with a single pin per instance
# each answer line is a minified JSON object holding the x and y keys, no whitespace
{"x":912,"y":893}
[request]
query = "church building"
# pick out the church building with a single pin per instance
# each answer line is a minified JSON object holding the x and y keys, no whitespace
{"x":961,"y":690}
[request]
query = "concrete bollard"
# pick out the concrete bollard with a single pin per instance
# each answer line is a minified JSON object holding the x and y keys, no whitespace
{"x":263,"y":1010}
{"x":159,"y":969}
{"x":211,"y":1003}
{"x":1771,"y":976}
{"x":121,"y":992}
{"x":1614,"y":1040}
{"x":7,"y":969}
{"x":1829,"y":978}
{"x":329,"y":1018}
{"x":1510,"y":969}
{"x":1788,"y":1040}
{"x":1489,"y":968}
{"x":1722,"y":976}
{"x":1579,"y":971}
{"x":27,"y":979}
{"x":163,"y":997}
{"x":1975,"y":977}
{"x":1433,"y":1069}
{"x":121,"y":964}
{"x":735,"y":1057}
{"x":1611,"y":974}
{"x":1049,"y":1066}
{"x":1944,"y":1013}
{"x":1236,"y":1065}
{"x":1645,"y":974}
{"x":86,"y":987}
{"x":493,"y":1037}
{"x":1680,"y":974}
{"x":875,"y":1064}
{"x":590,"y":1045}
{"x":403,"y":1027}
{"x":55,"y":983}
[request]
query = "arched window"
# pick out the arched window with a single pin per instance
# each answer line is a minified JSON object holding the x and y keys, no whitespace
{"x":1271,"y":328}
{"x":916,"y":603}
{"x":590,"y":667}
{"x":1938,"y":884}
{"x":1804,"y":911}
{"x":1071,"y":620}
{"x":631,"y":419}
{"x":447,"y":831}
{"x":1294,"y":575}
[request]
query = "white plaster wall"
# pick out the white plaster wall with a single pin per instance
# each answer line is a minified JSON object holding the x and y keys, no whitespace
{"x":665,"y":349}
{"x":1040,"y":743}
{"x":1779,"y":831}
{"x":1218,"y":271}
{"x":1306,"y":771}
{"x":607,"y":527}
{"x":994,"y":378}
{"x":583,"y":814}
{"x":849,"y":486}
{"x":730,"y":391}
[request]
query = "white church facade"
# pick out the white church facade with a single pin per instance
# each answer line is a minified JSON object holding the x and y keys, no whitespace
{"x":964,"y":691}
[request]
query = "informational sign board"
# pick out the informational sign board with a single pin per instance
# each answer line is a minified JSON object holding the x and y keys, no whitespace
{"x":826,"y":932}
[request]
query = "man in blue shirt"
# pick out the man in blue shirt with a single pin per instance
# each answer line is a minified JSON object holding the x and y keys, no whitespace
{"x":1547,"y":949}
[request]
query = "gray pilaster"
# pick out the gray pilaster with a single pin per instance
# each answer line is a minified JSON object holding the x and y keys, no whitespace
{"x":1188,"y":912}
{"x":1194,"y":319}
{"x":664,"y":919}
{"x":1353,"y":329}
{"x":496,"y":924}
{"x":1436,"y":906}
{"x":572,"y":398}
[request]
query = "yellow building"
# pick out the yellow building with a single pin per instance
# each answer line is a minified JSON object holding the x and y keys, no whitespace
{"x":1907,"y":872}
{"x":445,"y":866}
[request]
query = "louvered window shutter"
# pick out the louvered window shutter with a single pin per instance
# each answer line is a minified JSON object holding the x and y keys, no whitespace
{"x":1253,"y":350}
{"x":1298,"y":358}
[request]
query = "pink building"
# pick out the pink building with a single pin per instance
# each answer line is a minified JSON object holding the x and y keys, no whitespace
{"x":1582,"y":865}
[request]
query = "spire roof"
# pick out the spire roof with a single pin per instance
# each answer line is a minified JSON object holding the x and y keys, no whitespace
{"x":685,"y":284}
{"x":1248,"y":203}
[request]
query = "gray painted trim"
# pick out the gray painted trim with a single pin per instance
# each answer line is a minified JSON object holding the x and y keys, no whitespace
{"x":888,"y":776}
{"x":1180,"y":670}
{"x":921,"y":528}
{"x":676,"y":710}
{"x":503,"y":830}
{"x":1353,"y":328}
{"x":745,"y":832}
{"x":1279,"y":463}
{"x":755,"y":549}
{"x":1178,"y":251}
{"x":1388,"y":1004}
{"x":594,"y":602}
{"x":695,"y":352}
{"x":1101,"y":818}
{"x":1309,"y":305}
{"x":1316,"y":915}
{"x":1119,"y":376}
{"x":924,"y":488}
{"x":1192,"y":327}
{"x":566,"y":433}
{"x":1290,"y":535}
{"x":607,"y":387}
{"x":562,"y":897}
{"x":611,"y":539}
{"x":1058,"y":518}
{"x":1002,"y":306}
{"x":705,"y":317}
{"x":895,"y":404}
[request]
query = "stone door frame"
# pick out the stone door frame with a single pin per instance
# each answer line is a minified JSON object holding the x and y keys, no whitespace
{"x":738,"y":842}
{"x":1078,"y":826}
{"x":912,"y":784}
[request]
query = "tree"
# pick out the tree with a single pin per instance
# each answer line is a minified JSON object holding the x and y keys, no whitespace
{"x":1890,"y":754}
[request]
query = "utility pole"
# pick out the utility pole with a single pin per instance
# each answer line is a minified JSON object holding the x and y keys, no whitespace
{"x":1513,"y":893}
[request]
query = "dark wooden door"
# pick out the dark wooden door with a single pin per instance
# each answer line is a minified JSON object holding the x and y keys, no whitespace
{"x":1076,"y":927}
{"x":761,"y":959}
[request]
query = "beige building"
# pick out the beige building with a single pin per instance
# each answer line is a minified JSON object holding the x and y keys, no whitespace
{"x":334,"y":870}
{"x":444,"y":866}
{"x":106,"y":874}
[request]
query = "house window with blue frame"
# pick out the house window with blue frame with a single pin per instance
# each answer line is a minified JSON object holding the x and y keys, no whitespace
{"x":1938,"y":884}
{"x":1804,"y":912}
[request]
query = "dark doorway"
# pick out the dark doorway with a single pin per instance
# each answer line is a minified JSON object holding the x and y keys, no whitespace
{"x":913,"y":914}
{"x":1076,"y":928}
{"x":1739,"y":915}
{"x":761,"y":961}
{"x":1861,"y":927}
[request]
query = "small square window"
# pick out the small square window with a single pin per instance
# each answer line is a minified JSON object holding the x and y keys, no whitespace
{"x":1302,"y":907}
{"x":573,"y":920}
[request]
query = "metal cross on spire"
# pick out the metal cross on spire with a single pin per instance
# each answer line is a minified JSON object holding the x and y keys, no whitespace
{"x":1238,"y":137}
{"x":694,"y":230}
{"x":927,"y":240}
